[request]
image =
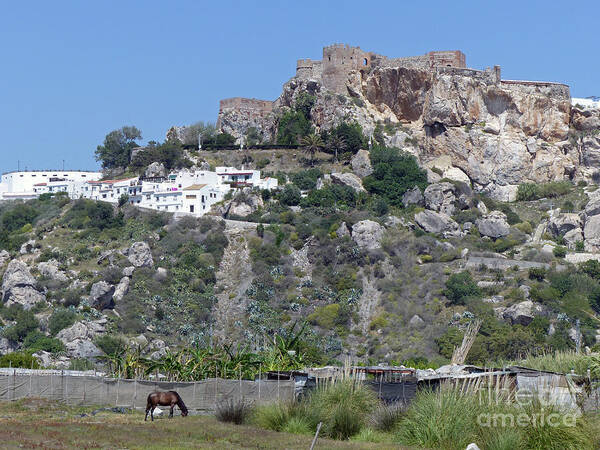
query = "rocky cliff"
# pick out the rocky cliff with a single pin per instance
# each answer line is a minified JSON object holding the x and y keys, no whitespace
{"x":499,"y":133}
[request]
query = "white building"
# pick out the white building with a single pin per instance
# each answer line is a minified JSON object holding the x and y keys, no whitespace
{"x":30,"y":184}
{"x":189,"y":192}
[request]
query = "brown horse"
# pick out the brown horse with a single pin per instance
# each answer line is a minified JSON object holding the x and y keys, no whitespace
{"x":169,"y":398}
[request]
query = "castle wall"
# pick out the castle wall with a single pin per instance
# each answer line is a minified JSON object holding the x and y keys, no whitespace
{"x":338,"y":61}
{"x":545,"y":88}
{"x":249,"y":104}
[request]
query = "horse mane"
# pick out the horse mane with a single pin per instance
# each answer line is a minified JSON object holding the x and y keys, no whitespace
{"x":180,"y":402}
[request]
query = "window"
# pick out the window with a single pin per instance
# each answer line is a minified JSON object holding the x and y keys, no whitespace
{"x":191,"y":208}
{"x":365,"y":61}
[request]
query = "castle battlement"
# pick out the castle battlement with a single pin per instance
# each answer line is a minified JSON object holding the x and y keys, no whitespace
{"x":339,"y":59}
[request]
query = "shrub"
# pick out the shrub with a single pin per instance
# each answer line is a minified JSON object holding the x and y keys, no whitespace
{"x":394,"y":172}
{"x":233,"y":411}
{"x":36,"y":341}
{"x":306,"y":179}
{"x":579,"y":246}
{"x":537,"y":273}
{"x":290,"y":195}
{"x":22,"y":360}
{"x":451,"y":419}
{"x":325,"y":316}
{"x":525,"y":227}
{"x":26,"y":323}
{"x":61,"y":318}
{"x":559,"y":251}
{"x":274,"y":416}
{"x":342,"y":407}
{"x":110,"y":345}
{"x":386,"y":417}
{"x":461,"y":286}
{"x":535,"y":191}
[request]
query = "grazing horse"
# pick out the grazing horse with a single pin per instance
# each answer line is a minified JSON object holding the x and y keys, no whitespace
{"x":169,"y":398}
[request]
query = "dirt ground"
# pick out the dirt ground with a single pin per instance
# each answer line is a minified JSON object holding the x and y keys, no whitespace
{"x":35,"y":423}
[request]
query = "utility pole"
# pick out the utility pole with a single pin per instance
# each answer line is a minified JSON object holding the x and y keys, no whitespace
{"x":63,"y":165}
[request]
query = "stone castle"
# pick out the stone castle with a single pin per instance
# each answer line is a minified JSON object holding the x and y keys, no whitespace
{"x":338,"y":61}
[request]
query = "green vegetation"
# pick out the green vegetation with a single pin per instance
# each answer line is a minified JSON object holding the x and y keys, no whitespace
{"x":116,"y":149}
{"x":460,"y":287}
{"x":393,"y":174}
{"x":535,"y":191}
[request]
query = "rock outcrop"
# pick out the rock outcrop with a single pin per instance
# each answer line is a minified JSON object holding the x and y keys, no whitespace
{"x":156,"y":170}
{"x":348,"y":179}
{"x":493,"y":225}
{"x":361,"y":164}
{"x":434,"y":222}
{"x":19,"y":286}
{"x":101,"y":296}
{"x":140,"y":255}
{"x":522,"y":313}
{"x":367,"y":234}
{"x":50,"y":269}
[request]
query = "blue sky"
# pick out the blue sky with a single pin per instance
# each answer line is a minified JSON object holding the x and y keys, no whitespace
{"x":72,"y":71}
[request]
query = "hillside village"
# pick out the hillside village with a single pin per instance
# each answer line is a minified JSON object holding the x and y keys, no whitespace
{"x":370,"y":216}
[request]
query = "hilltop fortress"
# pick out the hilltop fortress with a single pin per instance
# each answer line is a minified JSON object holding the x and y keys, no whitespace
{"x":497,"y":133}
{"x":341,"y":60}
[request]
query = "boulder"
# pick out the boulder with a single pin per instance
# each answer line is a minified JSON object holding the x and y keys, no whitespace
{"x":4,"y":257}
{"x":572,"y":237}
{"x":416,"y":321}
{"x":46,"y":359}
{"x":493,"y":225}
{"x":494,"y":299}
{"x":50,"y":270}
{"x":342,"y":230}
{"x":157,"y":344}
{"x":591,"y":234}
{"x":525,"y":289}
{"x":101,"y":295}
{"x":81,"y":348}
{"x":6,"y":346}
{"x":434,"y":222}
{"x":593,"y":207}
{"x":140,"y":255}
{"x":27,"y":247}
{"x":161,"y":274}
{"x":140,"y":340}
{"x":367,"y":234}
{"x":455,"y":174}
{"x":522,"y":313}
{"x":348,"y":179}
{"x":361,"y":164}
{"x":121,"y":289}
{"x":413,"y":196}
{"x":560,"y":224}
{"x":158,"y":354}
{"x":18,"y":286}
{"x":440,"y":197}
{"x":322,"y":181}
{"x":80,"y":330}
{"x":156,"y":170}
{"x":128,"y":271}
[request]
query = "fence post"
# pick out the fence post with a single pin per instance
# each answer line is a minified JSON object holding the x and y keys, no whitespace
{"x":216,"y":385}
{"x":278,"y":385}
{"x":66,"y":390}
{"x":194,"y":393}
{"x":259,"y":380}
{"x":134,"y":391}
{"x":85,"y":378}
{"x":51,"y":387}
{"x":117,"y":397}
{"x":14,"y":381}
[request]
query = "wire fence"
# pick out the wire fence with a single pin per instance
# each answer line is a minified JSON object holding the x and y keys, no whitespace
{"x":86,"y":389}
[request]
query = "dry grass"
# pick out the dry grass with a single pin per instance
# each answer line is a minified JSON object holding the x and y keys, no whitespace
{"x":41,"y":424}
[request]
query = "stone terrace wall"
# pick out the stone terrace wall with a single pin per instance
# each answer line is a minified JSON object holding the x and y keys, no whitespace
{"x":240,"y":103}
{"x":556,"y":90}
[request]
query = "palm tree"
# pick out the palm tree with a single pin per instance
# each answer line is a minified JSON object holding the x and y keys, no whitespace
{"x":311,"y":144}
{"x":336,"y":143}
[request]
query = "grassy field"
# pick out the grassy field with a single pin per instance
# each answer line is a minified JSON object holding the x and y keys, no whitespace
{"x":35,"y":423}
